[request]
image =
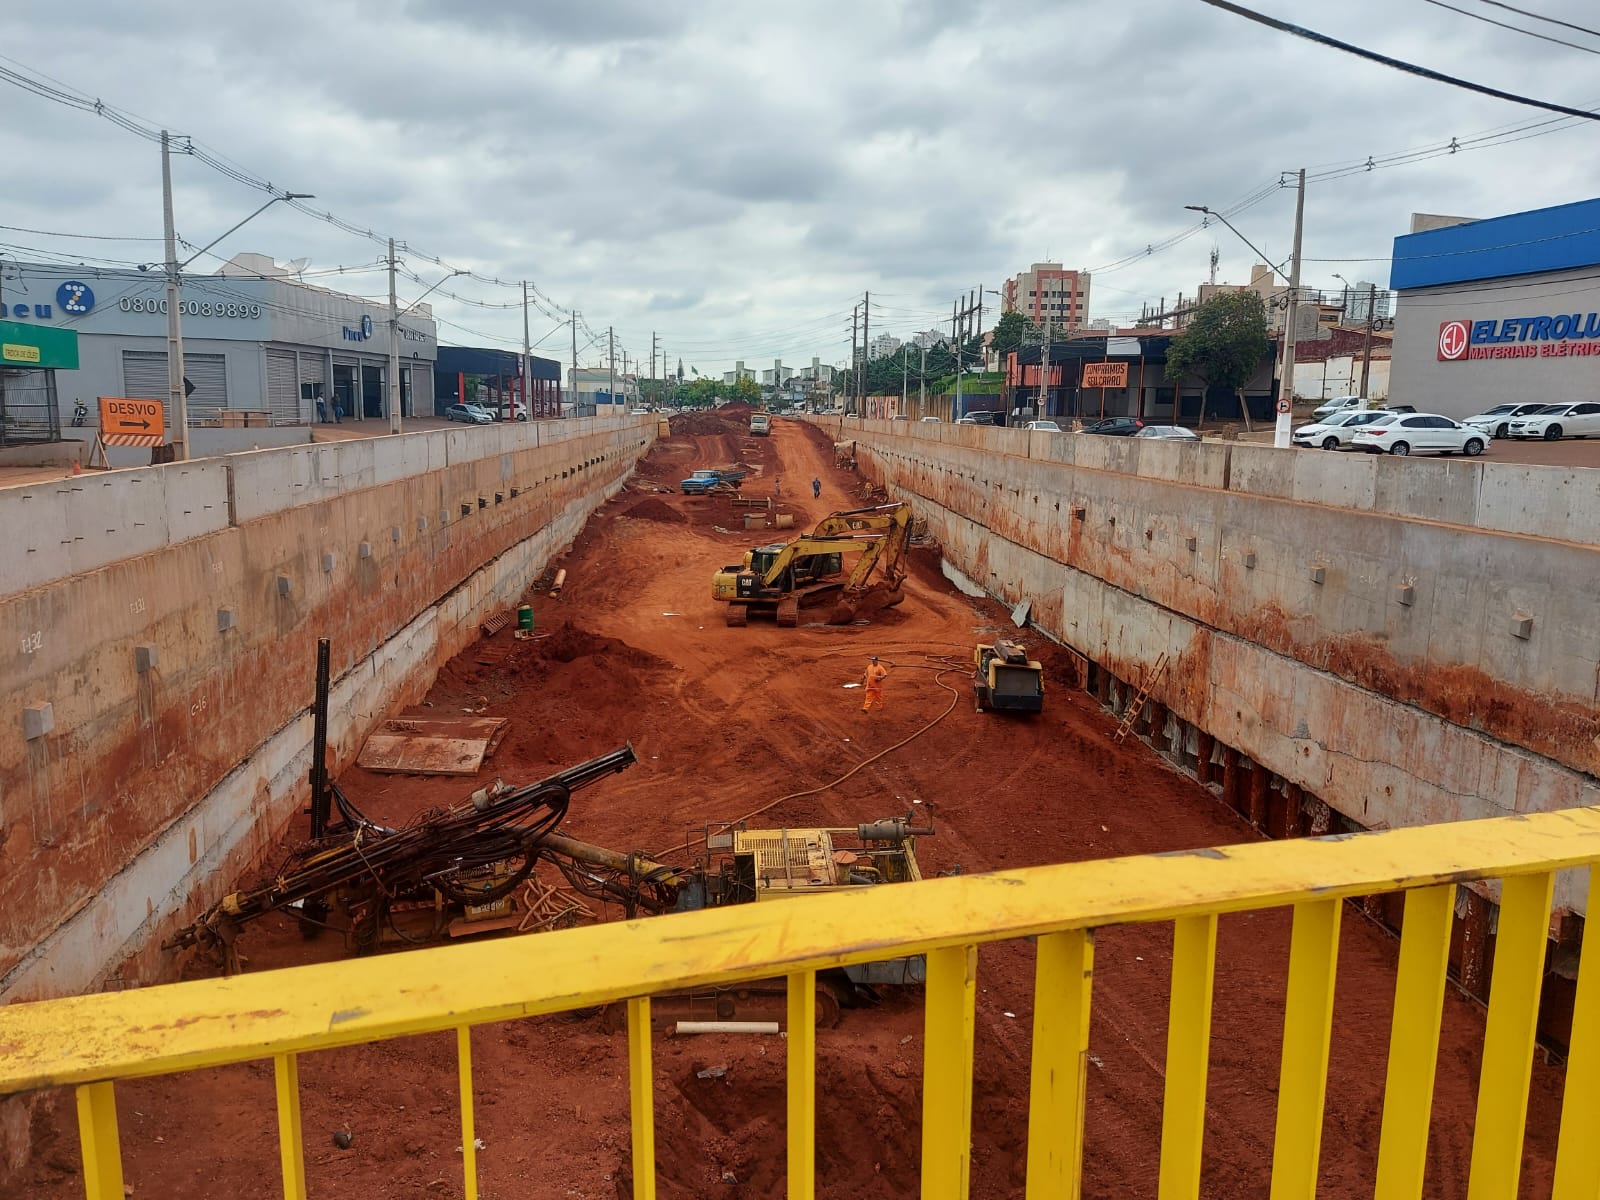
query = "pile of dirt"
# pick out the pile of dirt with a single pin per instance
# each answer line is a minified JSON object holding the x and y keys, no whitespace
{"x":729,"y":419}
{"x":568,"y":643}
{"x":655,"y":510}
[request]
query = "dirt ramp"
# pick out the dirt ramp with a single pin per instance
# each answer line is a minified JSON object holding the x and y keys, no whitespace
{"x":655,"y":510}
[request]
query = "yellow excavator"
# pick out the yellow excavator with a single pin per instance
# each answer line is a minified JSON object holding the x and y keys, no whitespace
{"x":779,"y":578}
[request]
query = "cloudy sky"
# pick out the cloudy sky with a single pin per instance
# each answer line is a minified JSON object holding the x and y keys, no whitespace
{"x":734,"y":175}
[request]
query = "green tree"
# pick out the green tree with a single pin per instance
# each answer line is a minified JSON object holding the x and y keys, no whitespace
{"x":747,"y":389}
{"x":1222,"y":345}
{"x":1010,"y":332}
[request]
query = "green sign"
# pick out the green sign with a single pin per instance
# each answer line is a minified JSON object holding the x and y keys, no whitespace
{"x":37,"y":346}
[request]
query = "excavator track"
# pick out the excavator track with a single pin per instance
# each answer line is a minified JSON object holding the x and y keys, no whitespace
{"x":738,"y":615}
{"x":788,"y":615}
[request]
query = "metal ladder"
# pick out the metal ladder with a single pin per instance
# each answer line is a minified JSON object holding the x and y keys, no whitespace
{"x":1130,"y":715}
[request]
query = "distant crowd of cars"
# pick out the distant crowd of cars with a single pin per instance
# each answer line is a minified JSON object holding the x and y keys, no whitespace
{"x":1346,"y":423}
{"x":480,"y":414}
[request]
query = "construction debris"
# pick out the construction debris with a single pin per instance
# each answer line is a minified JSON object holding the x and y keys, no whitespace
{"x":432,"y":745}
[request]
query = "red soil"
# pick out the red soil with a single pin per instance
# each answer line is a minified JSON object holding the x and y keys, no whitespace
{"x":723,"y":720}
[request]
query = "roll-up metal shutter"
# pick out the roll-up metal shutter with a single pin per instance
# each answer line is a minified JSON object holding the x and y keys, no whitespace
{"x":283,"y":388}
{"x":209,"y":374}
{"x":312,"y":369}
{"x":422,"y":389}
{"x":144,"y":375}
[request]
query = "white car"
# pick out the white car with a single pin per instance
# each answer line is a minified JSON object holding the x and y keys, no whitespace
{"x":1337,"y":404}
{"x":1419,"y":433}
{"x":1496,"y":422}
{"x":1556,"y":421}
{"x":1335,"y":431}
{"x":1043,"y":426}
{"x":930,"y":420}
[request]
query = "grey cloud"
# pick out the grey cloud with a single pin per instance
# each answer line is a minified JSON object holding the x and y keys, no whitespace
{"x":741,"y":173}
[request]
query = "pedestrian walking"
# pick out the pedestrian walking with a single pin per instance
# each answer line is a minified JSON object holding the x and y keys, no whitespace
{"x":777,"y":485}
{"x":872,"y":679}
{"x":816,"y":489}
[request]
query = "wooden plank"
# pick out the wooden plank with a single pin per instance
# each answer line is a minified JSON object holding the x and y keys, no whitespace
{"x":432,"y":745}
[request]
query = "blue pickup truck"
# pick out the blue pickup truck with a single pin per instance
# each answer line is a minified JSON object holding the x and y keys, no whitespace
{"x":706,"y":479}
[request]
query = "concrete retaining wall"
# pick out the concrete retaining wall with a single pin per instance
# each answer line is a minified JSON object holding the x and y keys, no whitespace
{"x":1353,"y":624}
{"x":153,"y":787}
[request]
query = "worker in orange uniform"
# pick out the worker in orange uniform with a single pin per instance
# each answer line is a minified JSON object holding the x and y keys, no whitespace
{"x":873,"y":679}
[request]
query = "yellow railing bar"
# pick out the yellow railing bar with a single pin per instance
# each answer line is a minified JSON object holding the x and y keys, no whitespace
{"x":1183,"y":1111}
{"x":469,"y":1126}
{"x":291,"y":1140}
{"x":802,"y":1085}
{"x":948,"y":1027}
{"x":1508,"y":1037}
{"x":1414,"y":1042}
{"x":203,"y":1023}
{"x":97,"y":1136}
{"x":1307,"y":1029}
{"x":1063,"y":982}
{"x":1577,"y":1149}
{"x":642,"y":1099}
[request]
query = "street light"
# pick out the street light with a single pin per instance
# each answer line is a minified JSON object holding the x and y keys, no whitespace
{"x":1281,"y":430}
{"x":1201,"y":208}
{"x":177,"y":396}
{"x":395,"y":313}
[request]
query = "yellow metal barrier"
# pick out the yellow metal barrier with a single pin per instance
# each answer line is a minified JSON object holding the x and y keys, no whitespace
{"x":91,"y":1041}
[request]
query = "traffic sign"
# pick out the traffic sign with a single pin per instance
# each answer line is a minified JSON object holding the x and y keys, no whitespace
{"x":131,"y":422}
{"x":1283,"y":406}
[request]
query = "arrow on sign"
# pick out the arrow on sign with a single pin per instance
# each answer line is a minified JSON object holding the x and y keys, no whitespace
{"x":142,"y":424}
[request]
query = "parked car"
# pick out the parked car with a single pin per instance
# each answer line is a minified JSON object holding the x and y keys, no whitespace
{"x":1496,"y":422}
{"x":1556,"y":421}
{"x":1170,"y":433}
{"x":470,"y":413}
{"x":516,"y":411}
{"x":1115,"y":426}
{"x":1334,"y":431}
{"x":1043,"y":426}
{"x":1419,"y":433}
{"x":1337,"y":404}
{"x":930,"y":420}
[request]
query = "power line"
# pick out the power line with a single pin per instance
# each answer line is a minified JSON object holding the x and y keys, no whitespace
{"x":1397,"y":64}
{"x":1523,"y":12}
{"x":1543,"y":37}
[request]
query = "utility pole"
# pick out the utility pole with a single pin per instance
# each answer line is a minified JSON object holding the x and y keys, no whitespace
{"x":855,"y":363}
{"x":1044,"y":370}
{"x":177,"y":400}
{"x":904,"y":358}
{"x":611,"y":344}
{"x":527,"y":355}
{"x":866,"y":346}
{"x":1366,"y":353}
{"x":1282,"y":430}
{"x":574,"y":358}
{"x":394,"y":348}
{"x":955,"y":336}
{"x":922,"y":380}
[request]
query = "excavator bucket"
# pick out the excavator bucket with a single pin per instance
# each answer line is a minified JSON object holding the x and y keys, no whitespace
{"x":853,"y":605}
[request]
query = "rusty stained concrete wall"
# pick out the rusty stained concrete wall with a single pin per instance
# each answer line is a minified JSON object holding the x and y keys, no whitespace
{"x":156,"y":788}
{"x":1394,"y":713}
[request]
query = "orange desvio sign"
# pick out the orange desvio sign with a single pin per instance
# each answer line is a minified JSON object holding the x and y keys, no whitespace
{"x":128,"y":422}
{"x":1105,"y":375}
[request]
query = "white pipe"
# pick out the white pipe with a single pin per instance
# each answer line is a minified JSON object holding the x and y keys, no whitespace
{"x":726,"y":1027}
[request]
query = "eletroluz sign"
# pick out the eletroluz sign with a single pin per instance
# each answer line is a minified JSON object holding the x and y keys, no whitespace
{"x":1567,"y":335}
